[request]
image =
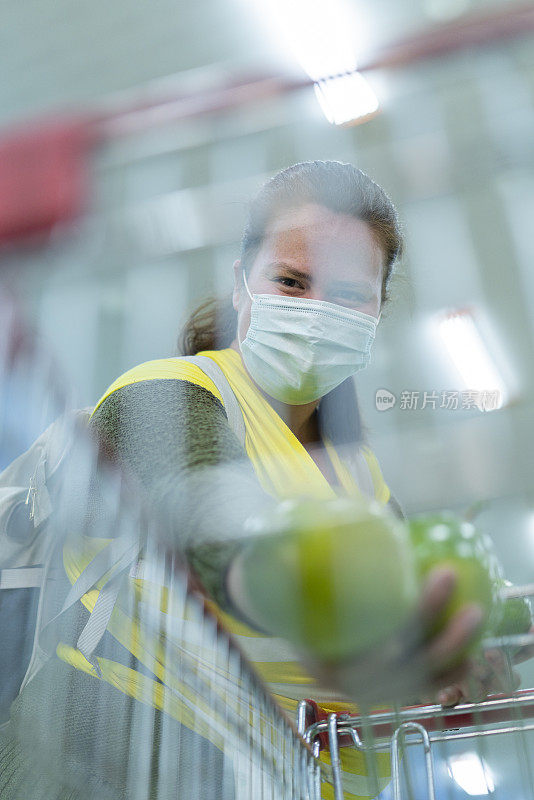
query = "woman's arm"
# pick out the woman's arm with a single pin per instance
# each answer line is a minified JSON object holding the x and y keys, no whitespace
{"x":174,"y":439}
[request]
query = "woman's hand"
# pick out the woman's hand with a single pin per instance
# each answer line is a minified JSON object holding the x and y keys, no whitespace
{"x":490,"y":673}
{"x":413,"y":664}
{"x":486,"y":674}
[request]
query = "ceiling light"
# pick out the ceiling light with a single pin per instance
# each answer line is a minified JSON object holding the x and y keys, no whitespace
{"x":472,"y":774}
{"x":346,"y":98}
{"x":471,"y":357}
{"x":324,"y":37}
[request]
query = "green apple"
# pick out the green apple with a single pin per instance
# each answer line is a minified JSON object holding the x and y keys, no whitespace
{"x":516,"y":616}
{"x":336,"y":577}
{"x":443,"y":539}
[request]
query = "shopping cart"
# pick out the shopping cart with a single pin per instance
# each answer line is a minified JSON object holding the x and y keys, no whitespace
{"x":209,"y":689}
{"x":428,"y":727}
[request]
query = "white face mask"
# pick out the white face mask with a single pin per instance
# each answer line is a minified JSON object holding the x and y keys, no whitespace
{"x":297,"y":349}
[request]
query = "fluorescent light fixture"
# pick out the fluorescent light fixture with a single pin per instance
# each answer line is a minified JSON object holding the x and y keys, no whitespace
{"x":345,"y":98}
{"x":319,"y":34}
{"x":324,"y":36}
{"x":472,"y":774}
{"x":469,"y":353}
{"x":529,"y":525}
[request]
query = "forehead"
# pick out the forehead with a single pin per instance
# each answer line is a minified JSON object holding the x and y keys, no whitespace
{"x":323,"y":242}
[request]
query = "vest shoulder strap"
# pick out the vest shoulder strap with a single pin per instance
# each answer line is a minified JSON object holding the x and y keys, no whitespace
{"x":361,"y":473}
{"x":231,"y":405}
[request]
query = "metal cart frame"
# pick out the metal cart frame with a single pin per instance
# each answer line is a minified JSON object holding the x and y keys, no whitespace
{"x":385,"y":731}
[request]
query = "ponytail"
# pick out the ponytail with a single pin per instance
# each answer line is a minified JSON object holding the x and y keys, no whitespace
{"x":211,"y":326}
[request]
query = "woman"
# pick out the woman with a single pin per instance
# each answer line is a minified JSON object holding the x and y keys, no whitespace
{"x":317,"y":258}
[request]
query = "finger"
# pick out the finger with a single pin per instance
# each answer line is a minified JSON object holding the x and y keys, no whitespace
{"x":497,"y":660}
{"x":436,"y":592}
{"x":507,"y":681}
{"x":450,"y":696}
{"x":483,"y":680}
{"x":496,"y":671}
{"x":452,"y":677}
{"x":486,"y":668}
{"x":458,"y":634}
{"x":474,"y":691}
{"x":525,"y":652}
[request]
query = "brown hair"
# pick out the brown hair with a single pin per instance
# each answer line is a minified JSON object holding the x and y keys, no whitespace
{"x":341,"y":188}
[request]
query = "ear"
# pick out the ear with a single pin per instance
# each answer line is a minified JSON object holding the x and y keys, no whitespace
{"x":238,"y":283}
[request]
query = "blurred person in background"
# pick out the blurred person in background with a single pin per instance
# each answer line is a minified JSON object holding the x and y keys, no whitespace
{"x":318,"y":253}
{"x":31,"y":396}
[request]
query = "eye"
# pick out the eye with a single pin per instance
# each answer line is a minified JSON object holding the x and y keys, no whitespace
{"x":290,"y":283}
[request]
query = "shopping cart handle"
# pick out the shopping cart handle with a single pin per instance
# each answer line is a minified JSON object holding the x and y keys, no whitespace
{"x":315,"y":714}
{"x":496,"y":708}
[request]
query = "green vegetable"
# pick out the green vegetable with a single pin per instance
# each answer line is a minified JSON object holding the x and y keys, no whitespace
{"x":335,"y":577}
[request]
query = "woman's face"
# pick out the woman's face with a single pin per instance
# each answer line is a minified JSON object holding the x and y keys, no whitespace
{"x":315,"y":253}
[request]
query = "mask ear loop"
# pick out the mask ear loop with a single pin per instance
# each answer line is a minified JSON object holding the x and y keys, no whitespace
{"x":248,"y":290}
{"x":246,"y":284}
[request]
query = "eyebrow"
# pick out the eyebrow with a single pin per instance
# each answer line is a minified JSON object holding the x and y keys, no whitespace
{"x":304,"y":276}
